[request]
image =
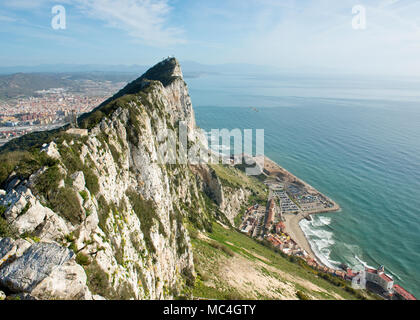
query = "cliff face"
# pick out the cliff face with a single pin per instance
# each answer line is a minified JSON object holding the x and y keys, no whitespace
{"x":98,"y":215}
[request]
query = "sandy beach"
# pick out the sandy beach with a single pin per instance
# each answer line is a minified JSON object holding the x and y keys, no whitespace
{"x":296,"y":233}
{"x":273,"y":169}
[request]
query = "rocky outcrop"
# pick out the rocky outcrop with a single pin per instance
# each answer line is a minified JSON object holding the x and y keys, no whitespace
{"x":229,"y":200}
{"x":34,"y":265}
{"x":103,"y":217}
{"x":66,"y":282}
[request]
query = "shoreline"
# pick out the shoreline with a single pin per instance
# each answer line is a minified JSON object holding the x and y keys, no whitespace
{"x":296,"y":233}
{"x":292,"y":221}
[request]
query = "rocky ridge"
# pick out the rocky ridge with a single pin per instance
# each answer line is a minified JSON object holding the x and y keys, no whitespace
{"x":98,"y":216}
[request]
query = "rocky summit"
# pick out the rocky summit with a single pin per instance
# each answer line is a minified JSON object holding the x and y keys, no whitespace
{"x":94,"y":216}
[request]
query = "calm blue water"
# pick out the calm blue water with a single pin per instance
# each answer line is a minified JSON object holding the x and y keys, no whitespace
{"x":356,"y":141}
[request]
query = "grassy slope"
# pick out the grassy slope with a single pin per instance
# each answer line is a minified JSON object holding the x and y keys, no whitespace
{"x":235,"y":178}
{"x":285,"y":278}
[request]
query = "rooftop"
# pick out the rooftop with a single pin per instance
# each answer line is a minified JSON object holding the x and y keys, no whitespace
{"x":386,"y":277}
{"x":381,"y":274}
{"x":404,"y":293}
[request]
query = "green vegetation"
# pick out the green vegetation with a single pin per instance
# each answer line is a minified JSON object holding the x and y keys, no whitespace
{"x":180,"y":238}
{"x":161,"y":72}
{"x":30,"y":236}
{"x":70,"y":156}
{"x":99,"y":283}
{"x":84,"y":195}
{"x":48,"y":180}
{"x":104,"y":211}
{"x":82,"y":259}
{"x":98,"y":280}
{"x":302,"y":296}
{"x":222,"y":247}
{"x":235,"y":178}
{"x":146,"y":212}
{"x":105,"y":110}
{"x":105,"y":141}
{"x":114,"y":152}
{"x":26,"y":208}
{"x":5,"y":230}
{"x":30,"y":141}
{"x":62,"y":200}
{"x":133,"y":127}
{"x":24,"y":163}
{"x":206,"y":256}
{"x":201,"y":211}
{"x":91,"y":180}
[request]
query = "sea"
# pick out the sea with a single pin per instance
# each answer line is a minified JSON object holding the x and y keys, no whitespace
{"x":354,"y":138}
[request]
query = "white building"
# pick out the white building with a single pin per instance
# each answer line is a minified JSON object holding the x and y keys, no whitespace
{"x":380,"y":278}
{"x":359,"y":281}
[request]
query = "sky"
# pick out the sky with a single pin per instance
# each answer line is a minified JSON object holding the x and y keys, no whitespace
{"x":293,"y":34}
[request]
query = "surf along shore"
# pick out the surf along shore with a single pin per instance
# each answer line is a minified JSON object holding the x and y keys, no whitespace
{"x":307,"y":199}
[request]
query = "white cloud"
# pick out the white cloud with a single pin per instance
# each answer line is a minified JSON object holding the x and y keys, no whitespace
{"x":144,"y":20}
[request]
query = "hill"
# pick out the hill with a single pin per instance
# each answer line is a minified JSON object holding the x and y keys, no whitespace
{"x":102,"y":216}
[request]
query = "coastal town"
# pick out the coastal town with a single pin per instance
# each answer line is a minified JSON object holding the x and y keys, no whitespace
{"x":289,"y":201}
{"x":51,"y":108}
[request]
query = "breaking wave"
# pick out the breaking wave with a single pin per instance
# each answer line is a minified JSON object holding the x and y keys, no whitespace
{"x":320,"y":240}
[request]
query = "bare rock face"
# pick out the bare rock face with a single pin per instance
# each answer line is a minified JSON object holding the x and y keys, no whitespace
{"x":12,"y":249}
{"x":6,"y":249}
{"x":53,"y":228}
{"x":28,"y":221}
{"x":6,"y":244}
{"x":51,"y":150}
{"x":66,"y":282}
{"x":78,"y":180}
{"x":23,"y":274}
{"x":119,"y":208}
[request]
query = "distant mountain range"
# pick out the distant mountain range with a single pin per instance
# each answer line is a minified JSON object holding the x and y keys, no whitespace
{"x":190,"y":68}
{"x":26,"y":80}
{"x":64,"y":68}
{"x":26,"y":84}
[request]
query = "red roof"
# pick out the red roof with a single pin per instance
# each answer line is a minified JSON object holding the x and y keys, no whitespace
{"x":382,"y":275}
{"x":280,"y":225}
{"x":404,"y":293}
{"x":385,"y":277}
{"x":350,"y":273}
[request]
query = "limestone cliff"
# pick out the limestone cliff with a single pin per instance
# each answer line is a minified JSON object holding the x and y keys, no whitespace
{"x":98,"y":216}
